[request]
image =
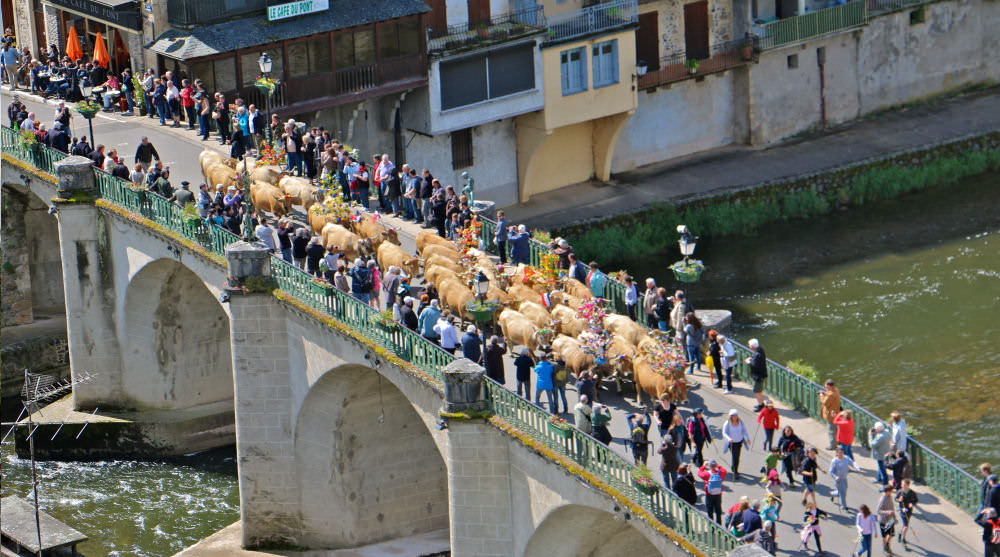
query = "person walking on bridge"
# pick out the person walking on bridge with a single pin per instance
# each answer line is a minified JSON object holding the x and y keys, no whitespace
{"x":713,"y":475}
{"x":736,"y":435}
{"x":878,"y":440}
{"x":987,"y":518}
{"x":829,"y":400}
{"x":986,"y":469}
{"x":840,"y":467}
{"x":145,"y":153}
{"x":758,"y":371}
{"x":699,"y":434}
{"x":845,"y":431}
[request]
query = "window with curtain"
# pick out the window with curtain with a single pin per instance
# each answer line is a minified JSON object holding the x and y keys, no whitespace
{"x":573,"y":70}
{"x":605,"y":61}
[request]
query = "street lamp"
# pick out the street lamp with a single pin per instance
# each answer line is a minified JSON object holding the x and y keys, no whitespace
{"x":265,"y":63}
{"x":86,"y":88}
{"x":482,"y":285}
{"x":687,"y":241}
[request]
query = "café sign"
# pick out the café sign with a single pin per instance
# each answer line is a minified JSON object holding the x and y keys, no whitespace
{"x":292,"y":9}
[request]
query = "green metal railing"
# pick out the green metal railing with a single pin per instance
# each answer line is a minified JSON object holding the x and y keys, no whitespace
{"x":592,"y":455}
{"x":613,"y":469}
{"x":813,"y":24}
{"x":929,"y":468}
{"x":38,"y":155}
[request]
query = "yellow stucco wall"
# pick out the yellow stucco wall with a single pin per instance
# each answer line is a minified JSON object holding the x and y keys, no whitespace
{"x":592,"y":103}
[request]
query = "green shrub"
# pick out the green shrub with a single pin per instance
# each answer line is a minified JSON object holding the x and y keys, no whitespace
{"x":652,"y":230}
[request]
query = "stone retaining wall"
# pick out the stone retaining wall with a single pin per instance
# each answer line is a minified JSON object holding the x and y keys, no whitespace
{"x":830,"y":179}
{"x":45,"y":354}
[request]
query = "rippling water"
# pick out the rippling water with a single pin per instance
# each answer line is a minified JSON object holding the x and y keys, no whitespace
{"x":896,"y":301}
{"x":134,"y":508}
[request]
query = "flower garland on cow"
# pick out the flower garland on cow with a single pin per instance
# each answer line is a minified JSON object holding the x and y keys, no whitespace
{"x":468,"y":237}
{"x":271,"y":155}
{"x":550,"y":269}
{"x":666,"y":359}
{"x":598,"y":340}
{"x":333,"y":202}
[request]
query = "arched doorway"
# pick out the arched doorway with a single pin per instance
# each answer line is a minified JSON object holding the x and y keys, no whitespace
{"x":573,"y":530}
{"x":368,"y":468}
{"x":177,"y":352}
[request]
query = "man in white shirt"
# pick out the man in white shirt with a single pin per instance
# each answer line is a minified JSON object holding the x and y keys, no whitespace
{"x":898,"y":432}
{"x":265,"y":234}
{"x":446,"y":332}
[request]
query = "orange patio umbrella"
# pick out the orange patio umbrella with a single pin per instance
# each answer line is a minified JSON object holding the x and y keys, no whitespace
{"x":73,"y":49}
{"x":101,"y":51}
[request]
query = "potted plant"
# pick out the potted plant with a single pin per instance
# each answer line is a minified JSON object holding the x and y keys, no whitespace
{"x":746,"y":51}
{"x":28,"y":141}
{"x":190,"y":214}
{"x":641,"y":68}
{"x":692,"y":65}
{"x":87,"y":108}
{"x":140,"y":95}
{"x":385,"y":320}
{"x":643,"y":480}
{"x":321,"y":287}
{"x":688,"y":270}
{"x":560,"y":427}
{"x":482,"y":31}
{"x":482,"y":310}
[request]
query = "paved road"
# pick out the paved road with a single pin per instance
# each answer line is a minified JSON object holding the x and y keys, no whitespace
{"x":735,"y":166}
{"x":179,"y":147}
{"x":951,"y":534}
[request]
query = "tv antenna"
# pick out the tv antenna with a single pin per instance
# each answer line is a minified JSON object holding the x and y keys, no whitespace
{"x":37,"y":389}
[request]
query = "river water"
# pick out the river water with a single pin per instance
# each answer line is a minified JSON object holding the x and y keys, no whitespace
{"x":896,"y":301}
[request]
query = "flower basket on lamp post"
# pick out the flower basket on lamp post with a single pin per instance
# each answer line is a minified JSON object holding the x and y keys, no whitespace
{"x":88,"y":109}
{"x":688,"y":271}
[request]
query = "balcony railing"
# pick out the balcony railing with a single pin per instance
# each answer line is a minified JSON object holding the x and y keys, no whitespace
{"x":820,"y":22}
{"x":356,"y":78}
{"x":499,"y":28}
{"x":724,"y":56}
{"x":395,"y":69}
{"x":593,"y":19}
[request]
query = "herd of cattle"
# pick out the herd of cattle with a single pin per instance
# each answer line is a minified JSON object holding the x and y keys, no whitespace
{"x":633,"y":352}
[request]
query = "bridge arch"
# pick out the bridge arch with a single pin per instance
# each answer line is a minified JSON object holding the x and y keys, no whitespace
{"x":573,"y":530}
{"x":32,"y":259}
{"x":367,"y":466}
{"x":177,"y":352}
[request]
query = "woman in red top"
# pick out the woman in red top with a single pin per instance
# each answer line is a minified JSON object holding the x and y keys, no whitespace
{"x":845,"y":431}
{"x":770,"y":419}
{"x":187,"y":101}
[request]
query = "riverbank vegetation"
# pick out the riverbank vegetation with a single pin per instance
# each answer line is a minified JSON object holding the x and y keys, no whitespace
{"x":651,"y":231}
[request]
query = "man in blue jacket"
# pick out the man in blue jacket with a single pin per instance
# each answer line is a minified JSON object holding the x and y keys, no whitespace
{"x":543,"y":382}
{"x":519,"y":245}
{"x":472,"y":344}
{"x":500,"y":237}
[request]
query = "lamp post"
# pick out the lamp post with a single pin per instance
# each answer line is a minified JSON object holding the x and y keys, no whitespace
{"x":687,"y":241}
{"x":481,"y":285}
{"x":86,"y":89}
{"x":265,"y":68}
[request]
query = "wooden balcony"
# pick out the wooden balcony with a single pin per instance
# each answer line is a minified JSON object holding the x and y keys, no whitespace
{"x":672,"y":68}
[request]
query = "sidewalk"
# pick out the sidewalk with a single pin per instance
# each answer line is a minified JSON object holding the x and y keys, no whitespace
{"x":735,"y":166}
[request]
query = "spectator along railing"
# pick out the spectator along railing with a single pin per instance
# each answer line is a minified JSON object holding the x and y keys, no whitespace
{"x":929,"y":468}
{"x":593,"y":19}
{"x":813,"y":24}
{"x":589,"y":453}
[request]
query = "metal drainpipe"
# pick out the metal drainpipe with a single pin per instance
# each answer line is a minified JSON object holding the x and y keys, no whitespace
{"x":821,"y":62}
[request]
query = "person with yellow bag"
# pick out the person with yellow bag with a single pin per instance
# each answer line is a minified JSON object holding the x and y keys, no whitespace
{"x":714,"y":359}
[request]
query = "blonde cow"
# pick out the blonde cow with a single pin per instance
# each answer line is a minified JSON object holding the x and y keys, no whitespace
{"x":577,"y":289}
{"x":571,"y":351}
{"x":450,"y":253}
{"x":437,"y":273}
{"x":300,"y":191}
{"x":537,"y":313}
{"x":426,"y":238}
{"x":442,"y":261}
{"x":270,"y":174}
{"x":520,"y":330}
{"x":566,"y":322}
{"x":269,"y":198}
{"x":218,"y":169}
{"x":656,"y":384}
{"x":352,"y":244}
{"x":375,"y":231}
{"x":389,"y":254}
{"x":455,"y":295}
{"x":522,"y":293}
{"x":622,"y":325}
{"x":560,"y":297}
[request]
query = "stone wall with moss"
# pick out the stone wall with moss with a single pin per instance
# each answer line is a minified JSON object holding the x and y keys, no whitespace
{"x":15,"y":277}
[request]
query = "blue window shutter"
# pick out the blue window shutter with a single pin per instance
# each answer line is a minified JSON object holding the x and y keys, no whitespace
{"x":564,"y":72}
{"x":613,"y":66}
{"x":582,"y":64}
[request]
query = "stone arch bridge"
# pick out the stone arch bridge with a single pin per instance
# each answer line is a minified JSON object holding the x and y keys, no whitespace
{"x":338,"y":424}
